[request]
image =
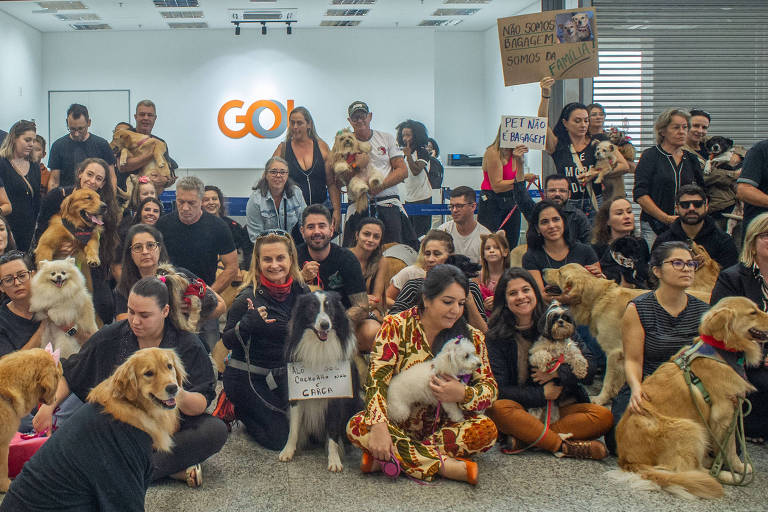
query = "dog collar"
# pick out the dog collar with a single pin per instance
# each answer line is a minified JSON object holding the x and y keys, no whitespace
{"x":81,"y":235}
{"x":718,"y":344}
{"x":554,"y":364}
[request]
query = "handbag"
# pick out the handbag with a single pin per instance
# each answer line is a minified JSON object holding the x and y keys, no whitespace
{"x":21,"y":449}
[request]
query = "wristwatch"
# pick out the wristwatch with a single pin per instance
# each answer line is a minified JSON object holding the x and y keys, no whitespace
{"x":72,"y":331}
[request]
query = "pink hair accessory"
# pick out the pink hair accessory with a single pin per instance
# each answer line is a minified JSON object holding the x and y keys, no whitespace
{"x":162,"y":278}
{"x":143,"y":179}
{"x":56,"y":354}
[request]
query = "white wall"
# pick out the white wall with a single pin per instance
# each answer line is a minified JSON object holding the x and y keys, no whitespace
{"x":21,"y":76}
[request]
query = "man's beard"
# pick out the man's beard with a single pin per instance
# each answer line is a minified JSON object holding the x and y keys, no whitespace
{"x":691,"y":219}
{"x":318,"y":244}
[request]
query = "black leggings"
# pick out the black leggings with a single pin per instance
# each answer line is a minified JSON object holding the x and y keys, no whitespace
{"x":198,"y":438}
{"x":756,"y":424}
{"x":268,"y":427}
{"x":492,"y":211}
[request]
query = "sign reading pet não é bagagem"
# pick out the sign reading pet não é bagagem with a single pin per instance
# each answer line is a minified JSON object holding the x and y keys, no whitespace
{"x":560,"y":44}
{"x":529,"y":131}
{"x":330,"y":381}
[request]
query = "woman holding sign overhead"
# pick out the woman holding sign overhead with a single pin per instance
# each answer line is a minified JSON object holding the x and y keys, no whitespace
{"x":256,"y":330}
{"x":570,"y":146}
{"x":497,"y":208}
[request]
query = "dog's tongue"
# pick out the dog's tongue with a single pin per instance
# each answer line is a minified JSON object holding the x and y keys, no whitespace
{"x":322,"y":335}
{"x":171,"y":402}
{"x":97,"y":220}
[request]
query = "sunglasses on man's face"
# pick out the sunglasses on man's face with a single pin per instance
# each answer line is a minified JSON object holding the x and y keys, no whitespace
{"x":697,"y":203}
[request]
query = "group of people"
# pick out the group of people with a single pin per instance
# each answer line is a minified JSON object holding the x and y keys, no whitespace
{"x":460,"y":283}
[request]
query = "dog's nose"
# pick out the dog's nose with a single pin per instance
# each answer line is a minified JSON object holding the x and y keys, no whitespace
{"x":325,"y":325}
{"x":171,"y":389}
{"x":560,"y":322}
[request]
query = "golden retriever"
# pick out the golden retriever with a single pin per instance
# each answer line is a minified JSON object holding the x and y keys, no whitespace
{"x":706,"y":274}
{"x":142,"y":393}
{"x":130,"y":145}
{"x":669,"y":443}
{"x":27,"y":377}
{"x":79,"y":222}
{"x":599,"y":304}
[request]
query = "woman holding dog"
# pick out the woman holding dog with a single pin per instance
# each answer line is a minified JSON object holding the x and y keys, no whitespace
{"x":623,"y":256}
{"x":662,"y":170}
{"x":20,"y":182}
{"x":517,"y":321}
{"x":657,"y":324}
{"x":748,"y":278}
{"x":423,"y":445}
{"x":570,"y":146}
{"x":255,"y":380}
{"x":150,"y":323}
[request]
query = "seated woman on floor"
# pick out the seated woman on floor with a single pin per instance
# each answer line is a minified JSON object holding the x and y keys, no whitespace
{"x":425,"y":448}
{"x":657,"y":324}
{"x":151,"y":323}
{"x":513,"y":328}
{"x":255,"y":380}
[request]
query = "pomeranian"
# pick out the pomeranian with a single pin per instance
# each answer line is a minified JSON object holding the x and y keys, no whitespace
{"x":59,"y":295}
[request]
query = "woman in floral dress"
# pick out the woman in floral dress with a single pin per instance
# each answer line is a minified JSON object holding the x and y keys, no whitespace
{"x":423,"y":444}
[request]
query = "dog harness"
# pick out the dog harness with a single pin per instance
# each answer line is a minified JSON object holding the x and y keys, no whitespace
{"x":713,"y":349}
{"x":82,"y":235}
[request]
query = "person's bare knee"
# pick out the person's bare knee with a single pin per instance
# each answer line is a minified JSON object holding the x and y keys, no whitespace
{"x":366,"y":334}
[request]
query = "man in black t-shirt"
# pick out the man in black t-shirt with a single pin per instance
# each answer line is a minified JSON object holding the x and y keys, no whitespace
{"x":145,"y":116}
{"x":752,"y":185}
{"x":325,"y":264}
{"x":196,"y":240}
{"x":68,"y":151}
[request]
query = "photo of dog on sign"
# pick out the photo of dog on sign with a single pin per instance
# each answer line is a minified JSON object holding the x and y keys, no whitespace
{"x":575,"y":27}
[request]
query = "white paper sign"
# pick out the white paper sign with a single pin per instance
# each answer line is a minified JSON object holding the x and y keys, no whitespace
{"x":333,"y":381}
{"x":530,"y":131}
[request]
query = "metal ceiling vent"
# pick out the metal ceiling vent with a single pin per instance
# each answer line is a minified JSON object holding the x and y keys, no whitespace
{"x":188,"y":24}
{"x":339,"y":23}
{"x":454,"y":12}
{"x":78,"y":17}
{"x":246,"y":15}
{"x":92,"y":26}
{"x":353,"y":2}
{"x":181,"y":14}
{"x":466,"y":1}
{"x":347,"y":12}
{"x":176,"y":3}
{"x":62,"y":6}
{"x":440,"y":23}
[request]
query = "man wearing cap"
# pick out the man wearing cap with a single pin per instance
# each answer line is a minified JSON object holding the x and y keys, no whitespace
{"x":385,"y":203}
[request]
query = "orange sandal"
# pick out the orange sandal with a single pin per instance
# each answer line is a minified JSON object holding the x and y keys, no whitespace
{"x":368,"y":464}
{"x":473,"y":472}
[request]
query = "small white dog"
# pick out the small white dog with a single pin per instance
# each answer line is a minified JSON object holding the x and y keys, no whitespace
{"x":59,"y":294}
{"x":457,"y":358}
{"x":555,"y":347}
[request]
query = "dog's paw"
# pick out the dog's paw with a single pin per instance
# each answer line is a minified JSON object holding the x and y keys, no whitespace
{"x":93,"y":261}
{"x":599,"y":399}
{"x":335,"y":466}
{"x":599,"y":179}
{"x":287,"y":454}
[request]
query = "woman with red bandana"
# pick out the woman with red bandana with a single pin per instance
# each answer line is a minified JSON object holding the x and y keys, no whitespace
{"x":425,"y":445}
{"x":255,"y":380}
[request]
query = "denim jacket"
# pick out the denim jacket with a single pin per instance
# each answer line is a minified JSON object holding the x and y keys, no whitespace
{"x":261,"y":213}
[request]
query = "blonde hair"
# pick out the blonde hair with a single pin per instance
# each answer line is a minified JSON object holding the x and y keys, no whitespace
{"x":748,"y":252}
{"x":664,"y":120}
{"x":253,"y":277}
{"x":434,"y":235}
{"x":496,"y":144}
{"x":501,"y":240}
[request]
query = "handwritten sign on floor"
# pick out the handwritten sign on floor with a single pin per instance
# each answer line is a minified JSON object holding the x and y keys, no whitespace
{"x":560,"y":44}
{"x":529,"y":131}
{"x":331,"y":381}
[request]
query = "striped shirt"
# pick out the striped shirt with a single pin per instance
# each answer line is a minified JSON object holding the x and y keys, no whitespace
{"x":409,"y":297}
{"x":666,"y":334}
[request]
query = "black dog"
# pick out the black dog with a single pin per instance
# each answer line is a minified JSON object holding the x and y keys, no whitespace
{"x":626,"y":261}
{"x":720,"y":151}
{"x":319,"y":335}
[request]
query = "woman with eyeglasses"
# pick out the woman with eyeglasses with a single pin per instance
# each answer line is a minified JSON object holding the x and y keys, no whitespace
{"x":20,"y":182}
{"x":748,"y":278}
{"x":255,"y":380}
{"x":657,"y":324}
{"x":276,"y":202}
{"x":143,"y":252}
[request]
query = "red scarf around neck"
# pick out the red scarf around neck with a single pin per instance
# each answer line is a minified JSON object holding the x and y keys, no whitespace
{"x":279,"y":292}
{"x":711,"y":341}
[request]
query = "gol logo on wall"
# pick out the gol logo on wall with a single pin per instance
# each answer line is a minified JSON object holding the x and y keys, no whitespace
{"x":249,"y":122}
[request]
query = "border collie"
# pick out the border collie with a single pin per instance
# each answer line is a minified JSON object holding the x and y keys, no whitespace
{"x":319,"y":334}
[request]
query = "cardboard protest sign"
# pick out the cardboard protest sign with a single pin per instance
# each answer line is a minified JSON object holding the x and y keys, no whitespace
{"x":560,"y":44}
{"x":332,"y":381}
{"x":530,"y":131}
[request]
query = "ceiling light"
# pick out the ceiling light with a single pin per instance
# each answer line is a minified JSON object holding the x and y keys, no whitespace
{"x":263,"y":28}
{"x":237,"y":29}
{"x":288,"y":28}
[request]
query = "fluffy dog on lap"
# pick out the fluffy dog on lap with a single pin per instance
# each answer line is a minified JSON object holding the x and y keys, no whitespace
{"x":457,"y":358}
{"x":555,"y":347}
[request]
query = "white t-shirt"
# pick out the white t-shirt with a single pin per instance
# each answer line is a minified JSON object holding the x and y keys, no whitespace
{"x":384,"y":148}
{"x":468,"y":245}
{"x":417,"y":187}
{"x":408,"y":273}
